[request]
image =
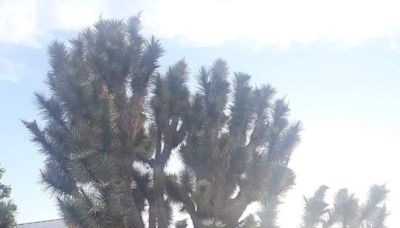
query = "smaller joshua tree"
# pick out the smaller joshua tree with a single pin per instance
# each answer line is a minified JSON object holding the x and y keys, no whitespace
{"x":7,"y":207}
{"x":346,"y":210}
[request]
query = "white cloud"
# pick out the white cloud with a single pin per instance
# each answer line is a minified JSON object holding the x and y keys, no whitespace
{"x":33,"y":22}
{"x":18,"y":21}
{"x":278,"y":23}
{"x":9,"y":70}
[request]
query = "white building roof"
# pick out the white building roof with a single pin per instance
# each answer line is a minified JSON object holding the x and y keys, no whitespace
{"x":55,"y":223}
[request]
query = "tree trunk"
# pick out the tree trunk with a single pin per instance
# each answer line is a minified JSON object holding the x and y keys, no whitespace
{"x":162,"y":218}
{"x":152,"y":215}
{"x":133,"y":216}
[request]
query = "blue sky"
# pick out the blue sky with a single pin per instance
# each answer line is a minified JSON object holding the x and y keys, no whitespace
{"x":337,"y":63}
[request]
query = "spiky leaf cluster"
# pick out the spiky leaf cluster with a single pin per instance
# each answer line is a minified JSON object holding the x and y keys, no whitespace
{"x":95,"y":124}
{"x":238,"y":145}
{"x":346,"y":211}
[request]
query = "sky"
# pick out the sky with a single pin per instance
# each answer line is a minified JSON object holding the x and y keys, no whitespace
{"x":335,"y":61}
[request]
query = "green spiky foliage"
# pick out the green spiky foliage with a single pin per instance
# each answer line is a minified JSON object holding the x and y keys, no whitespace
{"x":109,"y":109}
{"x":7,"y":207}
{"x":238,"y":145}
{"x":95,"y":124}
{"x":315,"y":208}
{"x":346,"y":211}
{"x":111,"y":122}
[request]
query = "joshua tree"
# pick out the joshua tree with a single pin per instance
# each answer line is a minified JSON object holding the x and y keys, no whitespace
{"x":112,"y":122}
{"x":346,"y":210}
